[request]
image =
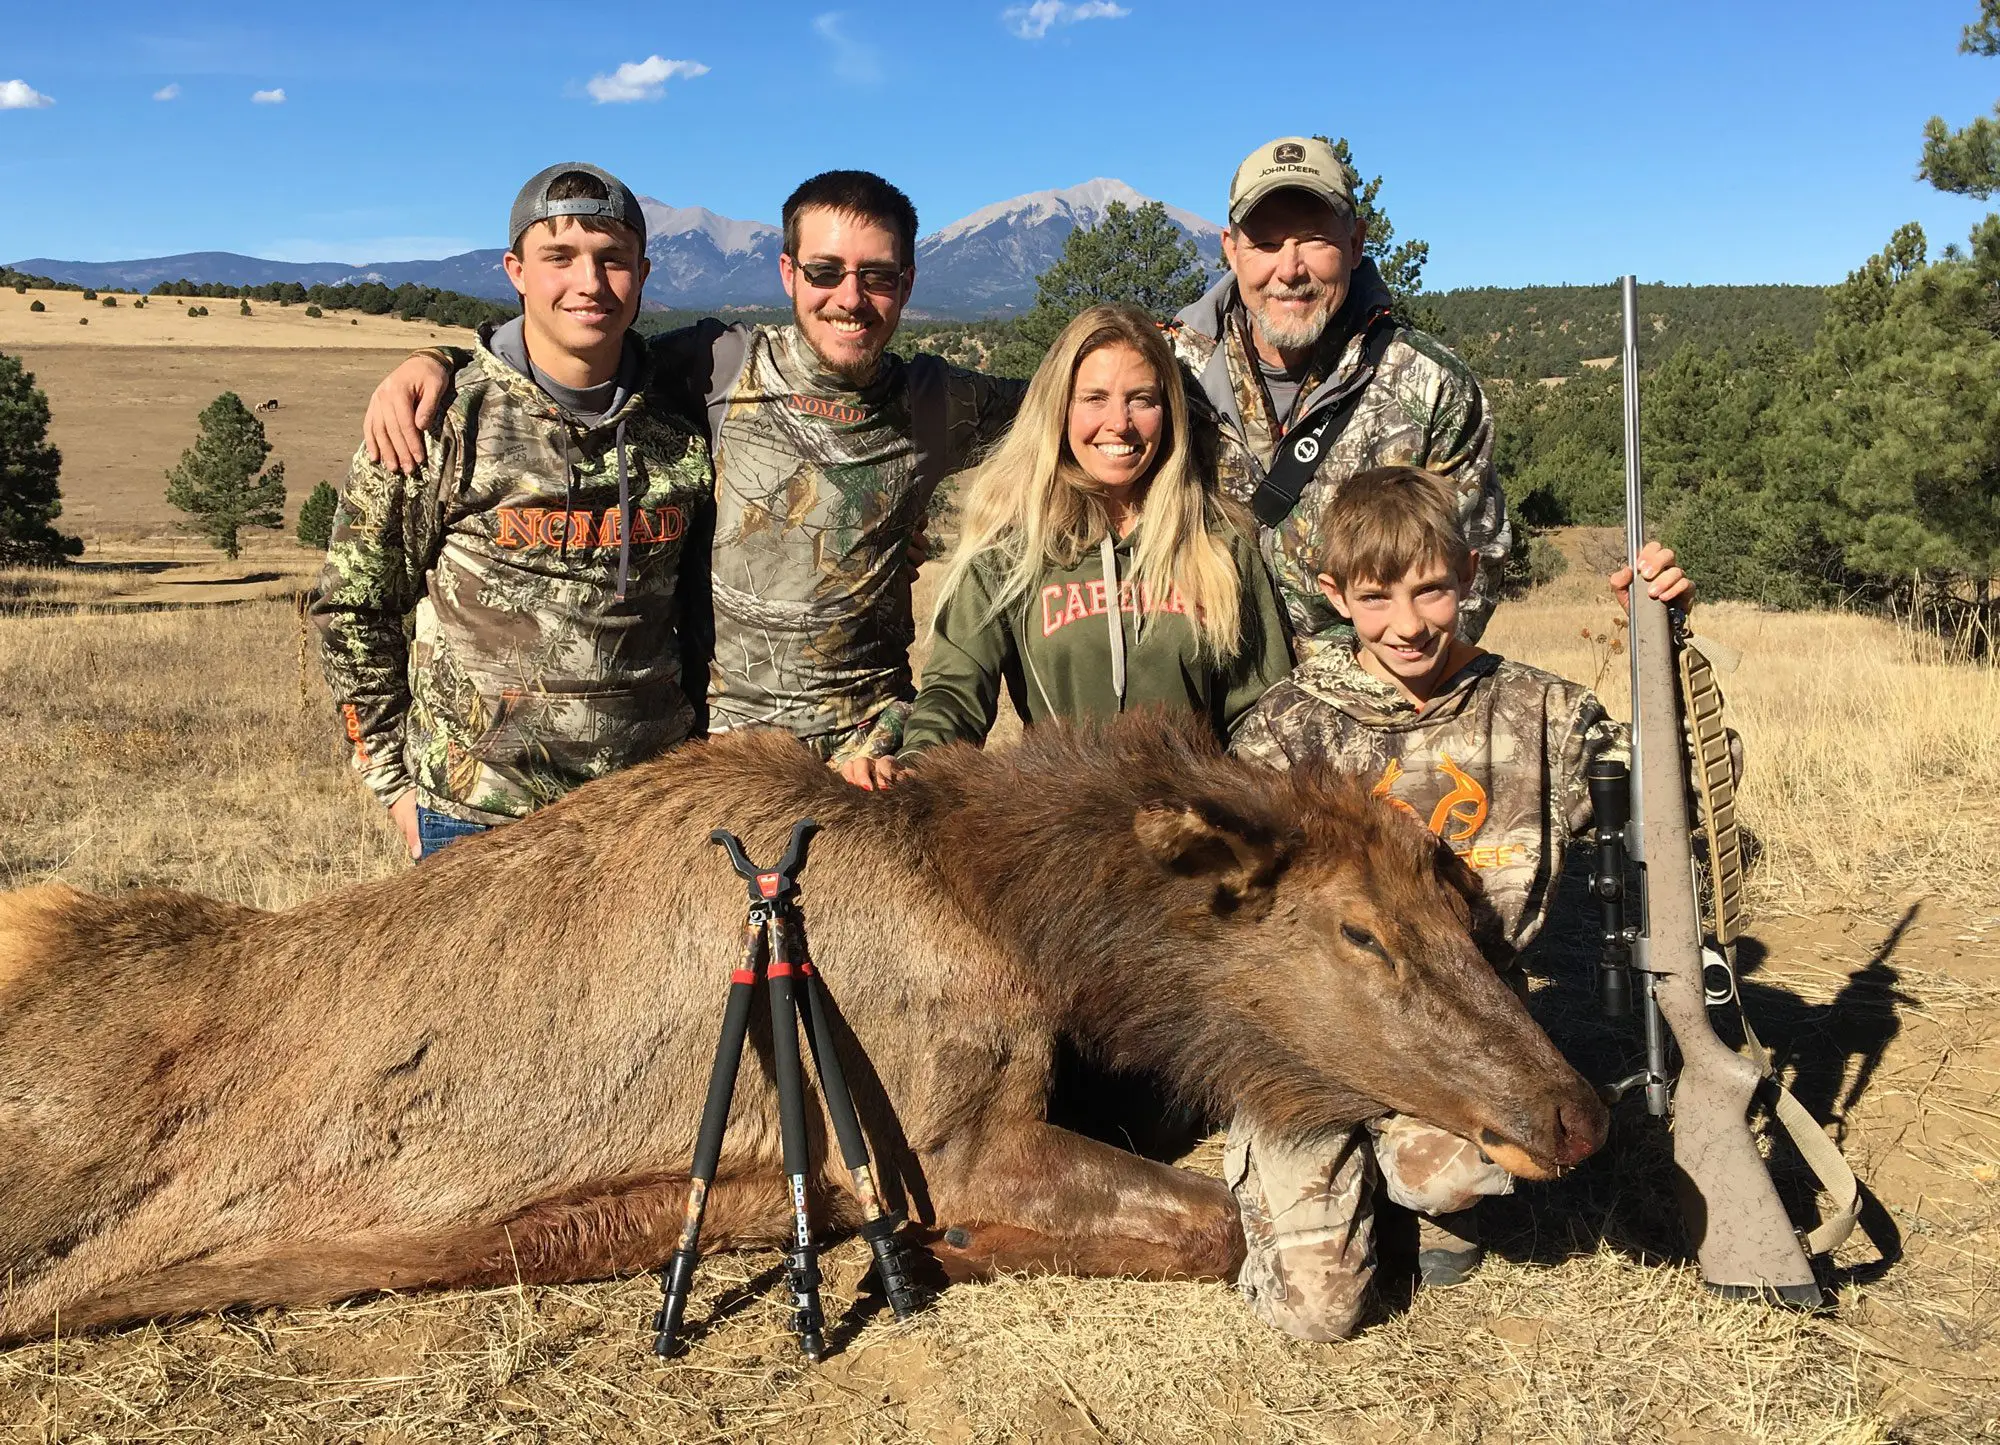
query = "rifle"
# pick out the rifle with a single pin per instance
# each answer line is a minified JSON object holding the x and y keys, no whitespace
{"x":1654,"y":934}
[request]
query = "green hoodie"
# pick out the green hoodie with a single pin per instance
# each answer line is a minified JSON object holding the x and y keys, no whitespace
{"x":1056,"y":651}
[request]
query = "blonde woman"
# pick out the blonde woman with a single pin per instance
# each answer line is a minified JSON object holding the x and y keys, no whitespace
{"x":1099,"y":568}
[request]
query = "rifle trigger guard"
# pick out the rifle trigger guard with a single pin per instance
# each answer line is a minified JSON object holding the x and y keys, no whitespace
{"x":1612,"y":1093}
{"x":1718,"y":978}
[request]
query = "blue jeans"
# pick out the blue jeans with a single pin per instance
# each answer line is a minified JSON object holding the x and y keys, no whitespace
{"x":434,"y":830}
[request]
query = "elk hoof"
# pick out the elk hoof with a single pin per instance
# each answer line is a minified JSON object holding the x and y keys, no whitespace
{"x":957,"y":1238}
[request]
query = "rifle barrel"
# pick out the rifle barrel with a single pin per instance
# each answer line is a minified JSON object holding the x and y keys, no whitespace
{"x":1635,"y":522}
{"x":1742,"y":1235}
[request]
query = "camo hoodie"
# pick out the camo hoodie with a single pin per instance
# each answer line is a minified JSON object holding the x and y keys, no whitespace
{"x":524,"y":672}
{"x":1421,"y":406}
{"x":819,"y":487}
{"x":1493,"y":764}
{"x":819,"y":491}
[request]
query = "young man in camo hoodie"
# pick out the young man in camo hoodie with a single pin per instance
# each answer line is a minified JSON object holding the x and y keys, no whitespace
{"x":1489,"y":755}
{"x":501,"y":625}
{"x":829,"y":455}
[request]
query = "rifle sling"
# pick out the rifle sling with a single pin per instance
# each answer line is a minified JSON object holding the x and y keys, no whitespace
{"x":1715,"y":793}
{"x":1821,"y":1154}
{"x":1298,"y":452}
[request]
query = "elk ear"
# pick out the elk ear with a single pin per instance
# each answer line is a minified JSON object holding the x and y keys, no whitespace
{"x":1239,"y":860}
{"x":1488,"y":928}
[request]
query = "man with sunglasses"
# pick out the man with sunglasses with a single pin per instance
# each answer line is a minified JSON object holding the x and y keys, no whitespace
{"x":828,"y":454}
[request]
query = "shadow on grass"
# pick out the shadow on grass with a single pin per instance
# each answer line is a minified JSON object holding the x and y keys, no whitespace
{"x":1624,"y":1196}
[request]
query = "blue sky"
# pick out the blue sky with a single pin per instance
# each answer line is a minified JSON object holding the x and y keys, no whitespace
{"x":1689,"y":141}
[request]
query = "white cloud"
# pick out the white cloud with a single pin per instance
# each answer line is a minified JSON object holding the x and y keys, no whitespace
{"x":1032,"y":22}
{"x":268,"y":97}
{"x":167,"y":92}
{"x":853,"y":62}
{"x":641,"y":80}
{"x":19,"y":95}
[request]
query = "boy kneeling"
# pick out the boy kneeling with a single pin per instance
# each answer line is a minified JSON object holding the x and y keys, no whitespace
{"x":1490,"y":755}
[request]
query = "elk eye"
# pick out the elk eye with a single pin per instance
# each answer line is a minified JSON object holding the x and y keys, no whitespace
{"x":1362,"y":939}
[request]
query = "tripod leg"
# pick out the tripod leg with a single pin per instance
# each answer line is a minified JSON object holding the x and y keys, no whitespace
{"x":803,"y":1271}
{"x":878,"y":1224}
{"x":677,"y":1275}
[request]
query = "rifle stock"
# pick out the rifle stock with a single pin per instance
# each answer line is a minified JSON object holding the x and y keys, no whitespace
{"x":1743,"y":1238}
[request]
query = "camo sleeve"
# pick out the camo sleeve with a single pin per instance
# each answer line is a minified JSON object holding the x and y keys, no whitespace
{"x":1255,"y":739}
{"x":1458,"y":443}
{"x":385,"y":532}
{"x":985,"y":407}
{"x":979,"y":409}
{"x":1581,"y":733}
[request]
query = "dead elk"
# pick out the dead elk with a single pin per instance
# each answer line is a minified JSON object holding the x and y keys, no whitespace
{"x":491,"y":1067}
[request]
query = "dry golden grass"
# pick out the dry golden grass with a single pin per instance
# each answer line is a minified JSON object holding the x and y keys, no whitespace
{"x":185,"y":749}
{"x":195,"y":750}
{"x":1873,"y":766}
{"x":163,"y":576}
{"x":121,"y":416}
{"x":163,"y":322}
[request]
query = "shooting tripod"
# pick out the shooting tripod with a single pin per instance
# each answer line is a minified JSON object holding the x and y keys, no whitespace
{"x":774,"y":949}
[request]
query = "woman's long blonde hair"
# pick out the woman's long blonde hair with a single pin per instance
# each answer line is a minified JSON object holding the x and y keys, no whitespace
{"x":1030,"y":503}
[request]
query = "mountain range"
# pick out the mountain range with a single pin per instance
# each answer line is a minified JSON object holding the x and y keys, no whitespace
{"x":983,"y":264}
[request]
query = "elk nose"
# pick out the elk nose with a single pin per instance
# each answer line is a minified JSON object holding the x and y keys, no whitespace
{"x":1581,"y":1124}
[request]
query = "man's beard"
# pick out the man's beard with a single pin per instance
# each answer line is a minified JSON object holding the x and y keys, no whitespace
{"x":856,"y":372}
{"x":1288,"y":334}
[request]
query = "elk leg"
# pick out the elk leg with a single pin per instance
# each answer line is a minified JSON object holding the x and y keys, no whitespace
{"x":617,"y":1227}
{"x":1043,"y":1199}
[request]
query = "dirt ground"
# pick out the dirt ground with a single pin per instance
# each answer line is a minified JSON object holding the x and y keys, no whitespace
{"x":124,"y":394}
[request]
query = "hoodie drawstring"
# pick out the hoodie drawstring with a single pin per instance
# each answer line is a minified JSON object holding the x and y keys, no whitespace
{"x":624,"y":516}
{"x":569,"y":492}
{"x":1107,"y":556}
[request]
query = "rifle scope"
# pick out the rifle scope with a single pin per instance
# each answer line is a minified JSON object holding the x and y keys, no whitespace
{"x":1611,"y":802}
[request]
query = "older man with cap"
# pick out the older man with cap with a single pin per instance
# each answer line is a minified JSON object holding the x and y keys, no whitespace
{"x":1309,"y":378}
{"x":500,"y":626}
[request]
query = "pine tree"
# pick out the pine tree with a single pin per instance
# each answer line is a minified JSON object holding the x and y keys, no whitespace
{"x":1966,"y":162}
{"x":30,"y":496}
{"x":316,"y":517}
{"x":1892,"y":443}
{"x":216,"y":481}
{"x":1401,"y":267}
{"x":1138,"y":257}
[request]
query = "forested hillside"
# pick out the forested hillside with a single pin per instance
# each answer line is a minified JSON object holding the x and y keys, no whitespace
{"x":1535,"y":331}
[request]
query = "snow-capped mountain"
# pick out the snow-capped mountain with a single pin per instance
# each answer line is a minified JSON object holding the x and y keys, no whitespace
{"x":985,"y":263}
{"x":702,"y":259}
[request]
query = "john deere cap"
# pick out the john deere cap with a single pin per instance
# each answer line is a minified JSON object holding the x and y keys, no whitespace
{"x":533,"y":204}
{"x":1293,"y":162}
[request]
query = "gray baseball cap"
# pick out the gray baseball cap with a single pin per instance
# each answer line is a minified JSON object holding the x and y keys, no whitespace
{"x":533,"y":204}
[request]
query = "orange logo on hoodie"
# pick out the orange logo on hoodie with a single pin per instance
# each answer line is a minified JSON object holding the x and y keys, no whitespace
{"x":1462,"y":810}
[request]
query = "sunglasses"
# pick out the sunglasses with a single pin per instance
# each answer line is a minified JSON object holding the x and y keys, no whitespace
{"x":875,"y":280}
